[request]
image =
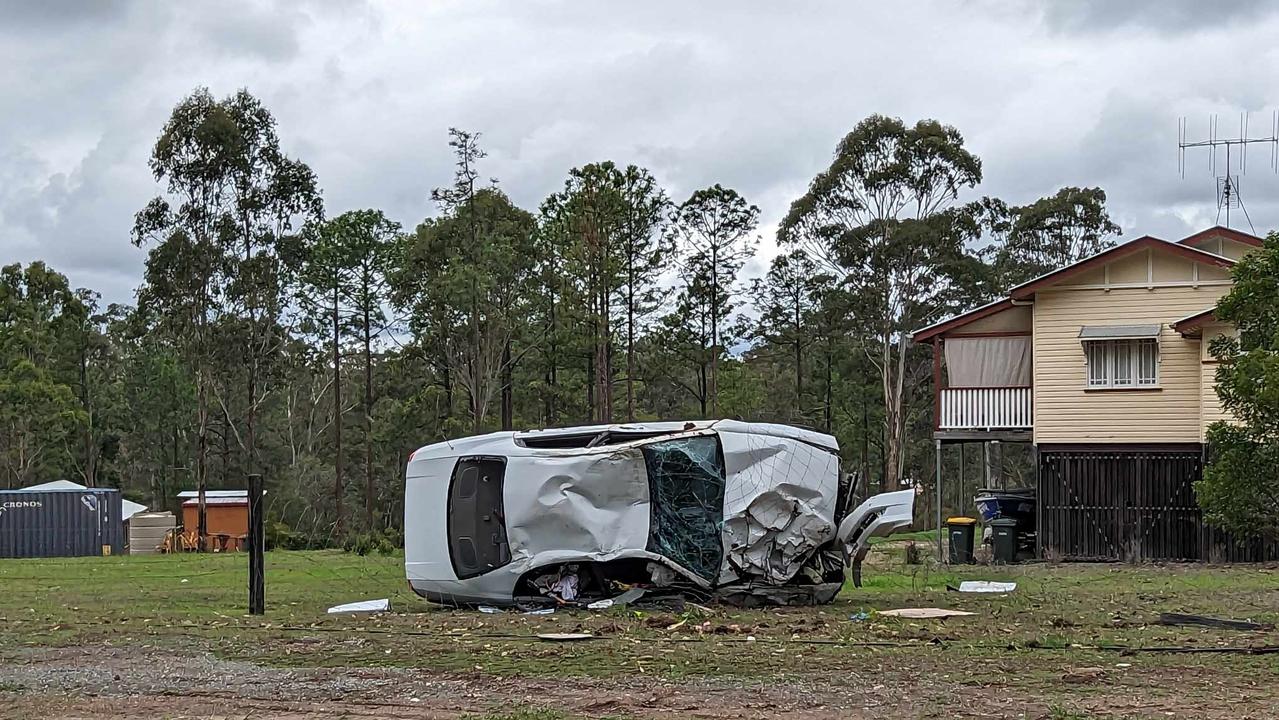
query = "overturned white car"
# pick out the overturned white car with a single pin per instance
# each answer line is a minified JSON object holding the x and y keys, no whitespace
{"x":746,"y":513}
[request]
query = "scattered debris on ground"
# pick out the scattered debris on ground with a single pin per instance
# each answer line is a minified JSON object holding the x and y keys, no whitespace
{"x":1205,"y":621}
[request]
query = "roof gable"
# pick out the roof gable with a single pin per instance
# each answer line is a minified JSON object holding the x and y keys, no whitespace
{"x":973,"y":315}
{"x":1228,"y":233}
{"x":1027,"y":290}
{"x":1147,"y":242}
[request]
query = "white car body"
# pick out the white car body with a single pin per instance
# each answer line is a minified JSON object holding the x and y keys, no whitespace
{"x":485,"y":513}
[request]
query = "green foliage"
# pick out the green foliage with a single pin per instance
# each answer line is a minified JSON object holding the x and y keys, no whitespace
{"x":1240,"y":488}
{"x":881,"y":217}
{"x":372,"y":542}
{"x":322,"y":353}
{"x":1048,"y":234}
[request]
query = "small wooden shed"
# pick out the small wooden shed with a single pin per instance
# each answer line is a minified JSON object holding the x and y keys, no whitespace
{"x":226,"y":518}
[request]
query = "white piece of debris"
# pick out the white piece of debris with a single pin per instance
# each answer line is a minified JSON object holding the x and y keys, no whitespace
{"x":986,"y":586}
{"x":622,"y":600}
{"x":925,"y":613}
{"x":490,"y":610}
{"x":364,"y":606}
{"x":565,"y":637}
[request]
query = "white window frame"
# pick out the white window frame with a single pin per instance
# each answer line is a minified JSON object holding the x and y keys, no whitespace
{"x":1117,"y":364}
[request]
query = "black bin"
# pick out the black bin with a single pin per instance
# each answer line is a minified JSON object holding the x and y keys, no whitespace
{"x":960,"y":531}
{"x":1003,"y":538}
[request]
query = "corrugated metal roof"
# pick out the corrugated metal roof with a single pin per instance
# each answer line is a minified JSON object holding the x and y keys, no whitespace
{"x":128,"y":507}
{"x":215,"y":493}
{"x":217,"y":501}
{"x":1118,"y":332}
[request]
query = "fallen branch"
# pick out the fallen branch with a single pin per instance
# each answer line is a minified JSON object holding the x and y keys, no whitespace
{"x":1205,"y":621}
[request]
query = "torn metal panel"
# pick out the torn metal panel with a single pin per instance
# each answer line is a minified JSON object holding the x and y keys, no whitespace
{"x":780,"y":505}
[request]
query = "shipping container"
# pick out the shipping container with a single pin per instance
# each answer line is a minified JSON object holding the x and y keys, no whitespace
{"x":60,"y":523}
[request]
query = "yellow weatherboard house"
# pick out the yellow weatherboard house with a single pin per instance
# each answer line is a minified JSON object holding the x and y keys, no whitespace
{"x":1103,"y":366}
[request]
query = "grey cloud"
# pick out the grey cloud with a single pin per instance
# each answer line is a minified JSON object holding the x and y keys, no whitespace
{"x":58,"y":15}
{"x":751,"y":95}
{"x":1171,"y":16}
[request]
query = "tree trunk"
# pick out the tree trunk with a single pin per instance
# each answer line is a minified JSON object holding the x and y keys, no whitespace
{"x":830,"y":382}
{"x":630,"y":336}
{"x":368,"y":419}
{"x":552,"y":362}
{"x":890,"y":408}
{"x":603,"y":365}
{"x":253,"y":357}
{"x":201,"y":458}
{"x":337,"y":415}
{"x":225,"y":455}
{"x":713,"y":389}
{"x":90,"y":457}
{"x":508,"y":393}
{"x":799,"y":360}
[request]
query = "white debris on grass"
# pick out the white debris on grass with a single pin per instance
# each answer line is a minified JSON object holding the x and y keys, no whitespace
{"x":986,"y":586}
{"x":364,"y":606}
{"x":925,"y":613}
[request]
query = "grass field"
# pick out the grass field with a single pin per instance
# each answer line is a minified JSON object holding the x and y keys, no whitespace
{"x":1072,"y":641}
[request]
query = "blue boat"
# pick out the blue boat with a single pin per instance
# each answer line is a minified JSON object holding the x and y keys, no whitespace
{"x":1015,"y":504}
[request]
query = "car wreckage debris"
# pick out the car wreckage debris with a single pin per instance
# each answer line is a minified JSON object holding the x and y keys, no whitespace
{"x":748,"y":514}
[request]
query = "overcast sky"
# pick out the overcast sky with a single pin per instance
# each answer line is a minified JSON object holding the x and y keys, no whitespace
{"x":753,"y":95}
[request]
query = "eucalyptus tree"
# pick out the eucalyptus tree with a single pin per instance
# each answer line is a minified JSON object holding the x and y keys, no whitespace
{"x":272,"y":196}
{"x":1050,"y":233}
{"x":324,"y":274}
{"x":40,"y":415}
{"x":367,"y":245}
{"x":785,"y":301}
{"x":464,"y":279}
{"x":590,"y":213}
{"x":645,"y":249}
{"x":714,"y":225}
{"x":880,"y":219}
{"x":218,"y":235}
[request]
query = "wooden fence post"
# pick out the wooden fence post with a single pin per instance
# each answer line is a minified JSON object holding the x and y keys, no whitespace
{"x":257,"y":543}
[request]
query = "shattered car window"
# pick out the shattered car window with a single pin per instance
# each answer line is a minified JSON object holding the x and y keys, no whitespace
{"x":686,"y":485}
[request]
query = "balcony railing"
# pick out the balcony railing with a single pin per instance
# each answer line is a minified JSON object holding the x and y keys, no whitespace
{"x":985,"y":408}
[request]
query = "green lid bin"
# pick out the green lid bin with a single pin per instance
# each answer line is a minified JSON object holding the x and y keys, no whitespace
{"x":1003,"y":538}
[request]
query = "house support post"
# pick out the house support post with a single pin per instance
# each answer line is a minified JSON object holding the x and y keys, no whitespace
{"x":936,"y":383}
{"x":1039,"y":505}
{"x":985,"y":454}
{"x":940,"y":533}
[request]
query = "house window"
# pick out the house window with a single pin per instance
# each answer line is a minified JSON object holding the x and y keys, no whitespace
{"x":1129,"y":363}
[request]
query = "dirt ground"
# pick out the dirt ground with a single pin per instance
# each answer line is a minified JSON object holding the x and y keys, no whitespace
{"x":105,"y":683}
{"x":162,"y":638}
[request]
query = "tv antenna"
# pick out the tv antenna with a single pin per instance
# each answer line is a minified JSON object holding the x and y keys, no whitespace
{"x":1236,"y":152}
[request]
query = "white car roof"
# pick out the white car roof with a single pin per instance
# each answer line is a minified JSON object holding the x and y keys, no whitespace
{"x":510,"y":443}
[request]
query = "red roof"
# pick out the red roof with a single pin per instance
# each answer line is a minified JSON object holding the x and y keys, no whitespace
{"x":962,"y":319}
{"x":1228,"y":233}
{"x":1191,"y":323}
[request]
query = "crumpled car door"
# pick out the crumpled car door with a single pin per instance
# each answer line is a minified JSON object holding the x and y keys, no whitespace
{"x":881,"y":515}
